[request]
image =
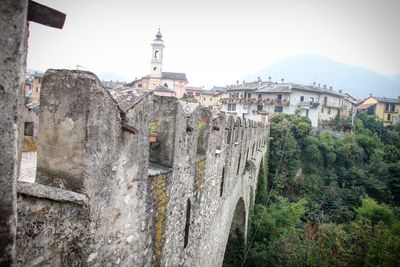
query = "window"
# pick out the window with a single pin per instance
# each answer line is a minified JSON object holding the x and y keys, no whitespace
{"x":301,"y":98}
{"x":389,"y":117}
{"x":197,"y":94}
{"x":204,"y":99}
{"x":187,"y":224}
{"x":247,"y":95}
{"x":279,"y":97}
{"x":140,"y":85}
{"x":259,"y":107}
{"x":190,"y":93}
{"x":28,"y":129}
{"x":245,"y":107}
{"x":322,"y":110}
{"x":231,"y":107}
{"x":156,"y":54}
{"x":329,"y":110}
{"x":389,"y":107}
{"x":278,"y":109}
{"x":307,"y":111}
{"x":259,"y":96}
{"x":325,"y":100}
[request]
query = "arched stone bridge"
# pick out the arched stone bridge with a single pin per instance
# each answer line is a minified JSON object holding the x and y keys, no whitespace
{"x":104,"y":197}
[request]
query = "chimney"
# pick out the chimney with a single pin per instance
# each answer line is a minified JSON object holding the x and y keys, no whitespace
{"x":370,"y":94}
{"x":324,"y":86}
{"x":237,"y":82}
{"x":269,"y":79}
{"x":330,"y":88}
{"x":282,"y":80}
{"x":340,"y":91}
{"x":319,"y":85}
{"x":314,"y":83}
{"x":244,"y":82}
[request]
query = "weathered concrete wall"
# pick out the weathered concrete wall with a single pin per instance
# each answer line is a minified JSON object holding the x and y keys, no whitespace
{"x":172,"y":209}
{"x":13,"y":33}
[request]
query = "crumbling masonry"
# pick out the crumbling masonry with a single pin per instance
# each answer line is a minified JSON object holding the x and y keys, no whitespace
{"x":104,"y":198}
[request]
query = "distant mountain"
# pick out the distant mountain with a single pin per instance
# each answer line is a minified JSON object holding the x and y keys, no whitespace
{"x":395,"y":78}
{"x":305,"y":69}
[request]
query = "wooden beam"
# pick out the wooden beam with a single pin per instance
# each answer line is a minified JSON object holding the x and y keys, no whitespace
{"x":127,"y":128}
{"x":45,"y":15}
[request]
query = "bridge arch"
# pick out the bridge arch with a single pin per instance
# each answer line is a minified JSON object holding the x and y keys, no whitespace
{"x":237,"y":236}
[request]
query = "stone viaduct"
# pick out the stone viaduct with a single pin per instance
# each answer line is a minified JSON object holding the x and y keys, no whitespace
{"x":105,"y":196}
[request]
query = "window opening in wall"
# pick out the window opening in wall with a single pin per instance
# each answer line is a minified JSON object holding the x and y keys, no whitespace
{"x":322,"y":110}
{"x":259,"y":96}
{"x":307,"y":111}
{"x":301,"y":98}
{"x":279,"y":97}
{"x":389,"y":117}
{"x":165,"y":85}
{"x":221,"y":191}
{"x":156,"y":54}
{"x":28,"y":128}
{"x":259,"y":107}
{"x":278,"y":109}
{"x":329,"y":110}
{"x":325,"y":100}
{"x":311,"y":99}
{"x":389,"y":107}
{"x":238,"y":167}
{"x":187,"y":223}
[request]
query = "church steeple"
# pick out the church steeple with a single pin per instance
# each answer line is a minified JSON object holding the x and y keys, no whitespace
{"x":156,"y":56}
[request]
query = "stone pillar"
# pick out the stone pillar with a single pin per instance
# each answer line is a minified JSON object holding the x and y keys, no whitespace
{"x":13,"y":31}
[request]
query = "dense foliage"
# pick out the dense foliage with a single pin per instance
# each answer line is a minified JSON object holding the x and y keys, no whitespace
{"x":327,"y":200}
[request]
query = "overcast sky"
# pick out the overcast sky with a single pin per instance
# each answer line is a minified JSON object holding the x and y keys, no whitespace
{"x":215,"y":42}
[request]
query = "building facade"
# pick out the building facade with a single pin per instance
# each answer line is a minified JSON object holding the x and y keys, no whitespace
{"x":387,"y":109}
{"x":260,"y":100}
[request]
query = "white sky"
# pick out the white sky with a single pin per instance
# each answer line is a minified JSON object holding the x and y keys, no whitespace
{"x":215,"y":42}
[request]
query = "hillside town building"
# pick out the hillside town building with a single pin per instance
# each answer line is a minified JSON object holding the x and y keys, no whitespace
{"x":387,"y":109}
{"x":259,"y":100}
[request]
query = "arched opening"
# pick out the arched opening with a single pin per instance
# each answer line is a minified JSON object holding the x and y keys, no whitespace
{"x":156,"y":54}
{"x":235,"y":248}
{"x":187,"y":223}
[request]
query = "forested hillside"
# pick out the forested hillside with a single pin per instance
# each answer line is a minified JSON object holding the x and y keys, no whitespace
{"x":323,"y":200}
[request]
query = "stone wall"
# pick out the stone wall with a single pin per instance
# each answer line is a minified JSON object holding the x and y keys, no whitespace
{"x":13,"y":32}
{"x":168,"y":204}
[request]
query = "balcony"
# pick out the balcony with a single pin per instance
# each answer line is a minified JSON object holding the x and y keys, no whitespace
{"x":281,"y":102}
{"x":308,"y":104}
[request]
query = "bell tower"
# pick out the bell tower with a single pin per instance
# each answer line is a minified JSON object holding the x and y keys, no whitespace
{"x":156,"y":60}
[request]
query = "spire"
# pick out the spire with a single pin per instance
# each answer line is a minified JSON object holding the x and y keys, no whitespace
{"x":159,"y":35}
